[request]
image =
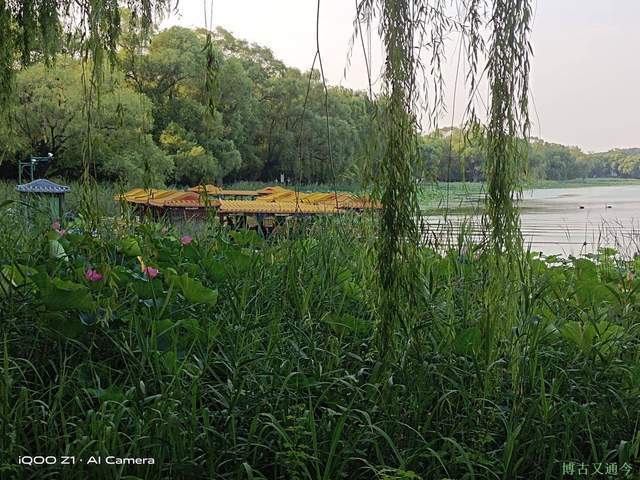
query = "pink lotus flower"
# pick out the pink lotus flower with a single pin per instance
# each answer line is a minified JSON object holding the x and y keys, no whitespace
{"x":186,"y":240}
{"x":92,"y":275}
{"x":151,"y":272}
{"x":56,"y":226}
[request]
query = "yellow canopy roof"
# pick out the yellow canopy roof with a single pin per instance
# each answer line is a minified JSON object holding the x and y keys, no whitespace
{"x":285,"y":196}
{"x":283,"y":208}
{"x":190,"y":203}
{"x":317,"y":197}
{"x":280,"y":201}
{"x":346,"y":201}
{"x":209,"y":189}
{"x":270,"y":190}
{"x":181,"y":199}
{"x":165,"y":198}
{"x":140,"y":195}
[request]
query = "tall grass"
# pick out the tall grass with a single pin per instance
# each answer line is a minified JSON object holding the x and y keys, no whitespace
{"x":73,"y":200}
{"x":275,"y":378}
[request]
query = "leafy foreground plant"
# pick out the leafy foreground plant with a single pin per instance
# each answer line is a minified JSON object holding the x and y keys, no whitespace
{"x":225,"y":356}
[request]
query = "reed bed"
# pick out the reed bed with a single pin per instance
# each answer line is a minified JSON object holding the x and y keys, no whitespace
{"x":237,"y":357}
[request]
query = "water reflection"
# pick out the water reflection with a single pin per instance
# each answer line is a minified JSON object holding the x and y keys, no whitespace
{"x":562,"y":220}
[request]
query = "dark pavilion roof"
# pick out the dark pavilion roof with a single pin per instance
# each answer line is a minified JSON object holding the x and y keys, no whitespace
{"x":42,"y":185}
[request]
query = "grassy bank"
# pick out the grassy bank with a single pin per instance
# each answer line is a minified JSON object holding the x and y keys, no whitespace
{"x":239,"y":358}
{"x":584,"y":182}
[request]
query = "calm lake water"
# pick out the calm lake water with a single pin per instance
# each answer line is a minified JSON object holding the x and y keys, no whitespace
{"x":570,"y":220}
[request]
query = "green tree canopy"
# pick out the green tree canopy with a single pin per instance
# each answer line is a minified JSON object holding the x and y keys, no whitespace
{"x":48,"y":118}
{"x":267,"y":119}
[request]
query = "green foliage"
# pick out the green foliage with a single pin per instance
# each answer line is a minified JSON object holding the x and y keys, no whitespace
{"x":32,"y":32}
{"x":455,"y":156}
{"x":47,"y":118}
{"x":263,"y":122}
{"x":251,"y":358}
{"x":616,"y":162}
{"x":194,"y":291}
{"x":508,"y":75}
{"x":193,"y":164}
{"x":451,"y":155}
{"x":592,"y":336}
{"x":65,"y":295}
{"x":130,"y":247}
{"x":247,"y":357}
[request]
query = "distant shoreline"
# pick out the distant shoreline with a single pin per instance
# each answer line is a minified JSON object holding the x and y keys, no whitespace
{"x":463,"y":196}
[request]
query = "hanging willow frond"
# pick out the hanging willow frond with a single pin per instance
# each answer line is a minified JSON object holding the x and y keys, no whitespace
{"x":474,"y":17}
{"x":211,"y":74}
{"x":398,"y":229}
{"x":31,"y":31}
{"x":508,"y":123}
{"x":8,"y":38}
{"x":414,"y":34}
{"x":410,"y":30}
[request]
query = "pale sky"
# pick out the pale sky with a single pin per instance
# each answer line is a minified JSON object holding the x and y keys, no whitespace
{"x":585,"y":77}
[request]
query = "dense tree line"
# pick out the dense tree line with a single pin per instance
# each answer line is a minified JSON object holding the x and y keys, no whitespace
{"x":449,"y":154}
{"x":154,"y":122}
{"x":154,"y":116}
